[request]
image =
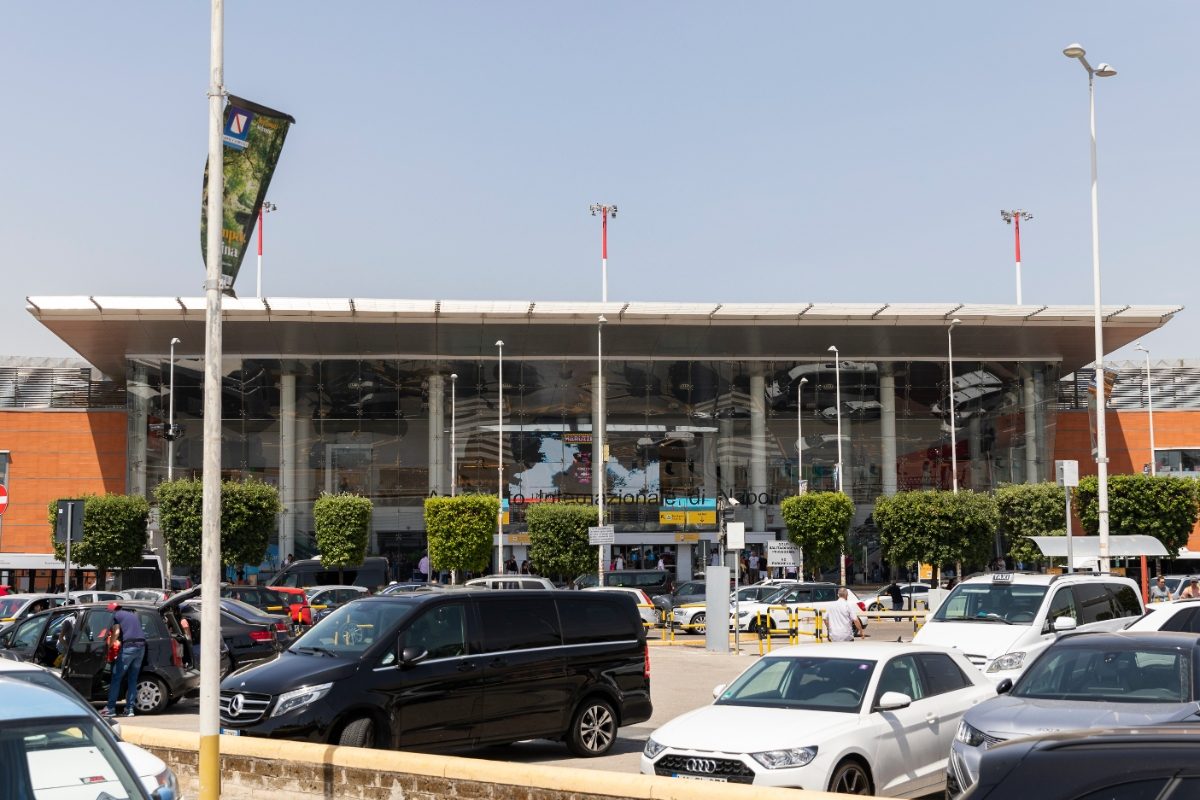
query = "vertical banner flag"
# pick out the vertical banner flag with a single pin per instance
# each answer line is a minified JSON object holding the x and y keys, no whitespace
{"x":253,"y":138}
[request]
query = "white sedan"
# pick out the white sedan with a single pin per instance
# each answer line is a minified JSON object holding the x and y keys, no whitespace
{"x":1173,"y":615}
{"x":854,"y":717}
{"x":803,"y":599}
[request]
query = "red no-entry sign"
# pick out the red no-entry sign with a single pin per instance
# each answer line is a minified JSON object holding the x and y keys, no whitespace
{"x":3,"y":498}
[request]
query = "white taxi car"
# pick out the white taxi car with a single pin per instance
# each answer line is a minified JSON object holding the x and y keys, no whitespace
{"x":805,"y":600}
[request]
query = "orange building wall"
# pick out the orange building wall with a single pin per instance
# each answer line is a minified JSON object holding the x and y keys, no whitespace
{"x":55,"y":454}
{"x":1128,"y":441}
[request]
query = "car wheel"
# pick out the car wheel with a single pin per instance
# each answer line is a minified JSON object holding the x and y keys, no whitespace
{"x":698,"y":625}
{"x":359,"y":733}
{"x":593,"y":729}
{"x":152,"y":696}
{"x":850,"y":777}
{"x":875,"y":607}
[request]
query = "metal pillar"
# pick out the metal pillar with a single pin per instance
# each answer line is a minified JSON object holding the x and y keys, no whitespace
{"x":287,"y":464}
{"x":1029,"y":395}
{"x":437,"y":426}
{"x":758,"y":450}
{"x":887,"y":428}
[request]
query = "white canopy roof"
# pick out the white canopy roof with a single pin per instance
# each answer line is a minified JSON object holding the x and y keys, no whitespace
{"x":1089,"y":546}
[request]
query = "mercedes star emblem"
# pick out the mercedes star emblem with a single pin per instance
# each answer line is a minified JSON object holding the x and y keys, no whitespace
{"x":235,"y":705}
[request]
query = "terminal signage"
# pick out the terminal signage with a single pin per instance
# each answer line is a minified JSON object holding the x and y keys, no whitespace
{"x":783,"y":554}
{"x":602,"y":534}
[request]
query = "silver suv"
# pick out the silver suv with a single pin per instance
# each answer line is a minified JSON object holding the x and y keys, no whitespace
{"x":1003,"y":620}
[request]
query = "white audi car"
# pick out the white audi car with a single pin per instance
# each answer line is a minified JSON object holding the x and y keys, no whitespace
{"x":854,"y":717}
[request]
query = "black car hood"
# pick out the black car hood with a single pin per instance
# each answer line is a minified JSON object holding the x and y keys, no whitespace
{"x":291,"y":671}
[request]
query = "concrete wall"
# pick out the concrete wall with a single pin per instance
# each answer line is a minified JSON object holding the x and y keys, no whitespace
{"x":252,"y":769}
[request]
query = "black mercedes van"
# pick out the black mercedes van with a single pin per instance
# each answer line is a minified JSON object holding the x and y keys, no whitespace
{"x":372,"y":573}
{"x":449,"y":670}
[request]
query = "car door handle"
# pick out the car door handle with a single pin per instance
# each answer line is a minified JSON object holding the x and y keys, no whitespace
{"x":931,"y":718}
{"x":467,"y":666}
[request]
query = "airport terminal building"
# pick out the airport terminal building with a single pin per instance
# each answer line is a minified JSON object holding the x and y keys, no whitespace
{"x":401,"y":399}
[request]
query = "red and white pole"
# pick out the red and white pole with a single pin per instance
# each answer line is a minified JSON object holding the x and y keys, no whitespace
{"x":1017,"y":233}
{"x":262,"y":216}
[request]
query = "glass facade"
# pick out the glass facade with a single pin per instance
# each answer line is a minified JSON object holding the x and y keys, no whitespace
{"x":679,"y":433}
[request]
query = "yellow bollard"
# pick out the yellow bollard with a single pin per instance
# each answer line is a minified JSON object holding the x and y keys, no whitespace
{"x":818,"y":632}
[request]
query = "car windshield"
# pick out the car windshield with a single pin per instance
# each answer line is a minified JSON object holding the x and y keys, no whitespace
{"x":817,"y":684}
{"x":54,"y":758}
{"x":1012,"y":603}
{"x":1103,"y":674}
{"x":352,"y":628}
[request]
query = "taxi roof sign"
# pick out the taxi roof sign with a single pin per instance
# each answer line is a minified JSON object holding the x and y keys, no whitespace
{"x":1002,"y":577}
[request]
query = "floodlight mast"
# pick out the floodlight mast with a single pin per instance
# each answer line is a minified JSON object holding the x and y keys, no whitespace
{"x":1014,"y":218}
{"x":604,"y":210}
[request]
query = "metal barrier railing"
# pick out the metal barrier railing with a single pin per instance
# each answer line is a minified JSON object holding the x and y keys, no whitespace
{"x":918,"y":617}
{"x":764,"y":624}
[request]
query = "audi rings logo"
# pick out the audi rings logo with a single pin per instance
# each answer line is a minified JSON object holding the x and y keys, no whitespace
{"x":705,"y":766}
{"x":235,"y":705}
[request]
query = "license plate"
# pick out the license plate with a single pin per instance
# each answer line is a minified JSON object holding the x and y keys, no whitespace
{"x":699,"y":778}
{"x":231,"y":732}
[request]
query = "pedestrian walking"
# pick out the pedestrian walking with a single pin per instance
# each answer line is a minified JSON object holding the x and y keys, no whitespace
{"x":897,"y":597}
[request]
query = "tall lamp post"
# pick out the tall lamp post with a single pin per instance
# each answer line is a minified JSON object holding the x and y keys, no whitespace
{"x":1150,"y":409}
{"x":453,"y":444}
{"x":603,"y":210}
{"x":837,"y":404}
{"x":1014,"y":218}
{"x":267,"y":208}
{"x":500,"y":463}
{"x":600,"y":469}
{"x":800,"y":456}
{"x":953,"y":430}
{"x":171,"y":415}
{"x":1077,"y":52}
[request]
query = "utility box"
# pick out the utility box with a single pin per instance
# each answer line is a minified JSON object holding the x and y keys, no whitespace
{"x":716,"y":611}
{"x":1067,"y":472}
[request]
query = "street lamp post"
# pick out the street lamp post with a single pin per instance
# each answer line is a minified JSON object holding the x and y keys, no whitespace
{"x":1150,"y":410}
{"x":171,"y":415}
{"x":599,"y":470}
{"x":837,"y":404}
{"x":1014,"y":218}
{"x":953,"y":429}
{"x":266,"y":208}
{"x":603,"y":210}
{"x":1104,"y":71}
{"x":500,"y":463}
{"x":453,"y":443}
{"x":800,"y":456}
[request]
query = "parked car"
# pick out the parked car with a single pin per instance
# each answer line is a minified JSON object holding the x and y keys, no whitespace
{"x":439,"y":670}
{"x":686,"y":592}
{"x":652,"y":581}
{"x":409,"y":586}
{"x":270,"y":601}
{"x":693,"y":616}
{"x":909,"y":593}
{"x":295,"y":601}
{"x":145,"y":595}
{"x":93,"y":596}
{"x":1173,"y":615}
{"x":852,"y":717}
{"x":324,"y":599}
{"x":54,"y":749}
{"x":798,"y":598}
{"x":1082,"y":681}
{"x":511,"y":582}
{"x":169,"y":671}
{"x":372,"y":573}
{"x":149,"y":768}
{"x":649,"y":615}
{"x":16,"y":607}
{"x":250,"y":635}
{"x":1102,"y":764}
{"x":1002,"y":621}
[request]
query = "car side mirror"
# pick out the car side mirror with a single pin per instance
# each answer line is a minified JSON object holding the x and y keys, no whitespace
{"x":893,"y":700}
{"x":163,"y":793}
{"x":718,"y":689}
{"x":1004,"y":686}
{"x":1064,"y":624}
{"x":411,"y":656}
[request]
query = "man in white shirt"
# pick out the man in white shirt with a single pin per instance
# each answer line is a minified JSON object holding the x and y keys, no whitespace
{"x":620,"y":564}
{"x":840,"y":620}
{"x":423,"y":566}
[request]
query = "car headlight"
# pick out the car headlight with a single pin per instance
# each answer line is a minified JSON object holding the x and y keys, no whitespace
{"x":299,"y":698}
{"x":781,"y":759}
{"x":652,"y":748}
{"x":1007,"y":661}
{"x":969,"y":735}
{"x":166,"y":780}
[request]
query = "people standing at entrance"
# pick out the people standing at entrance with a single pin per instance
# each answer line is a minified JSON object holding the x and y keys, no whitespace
{"x":662,"y":564}
{"x":423,"y":567}
{"x":841,"y":622}
{"x":126,"y":632}
{"x":619,"y":562}
{"x":715,"y":559}
{"x":752,"y":567}
{"x":510,"y":566}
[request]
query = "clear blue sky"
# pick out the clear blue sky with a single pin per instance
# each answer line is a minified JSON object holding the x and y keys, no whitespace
{"x":770,"y":151}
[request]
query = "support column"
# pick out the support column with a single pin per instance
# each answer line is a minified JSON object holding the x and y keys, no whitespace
{"x":138,"y":392}
{"x":305,"y":482}
{"x":437,"y":427}
{"x":758,"y":449}
{"x":975,"y":452}
{"x":1029,"y":393}
{"x":725,"y":452}
{"x":887,"y":428}
{"x":287,"y":464}
{"x":605,"y":551}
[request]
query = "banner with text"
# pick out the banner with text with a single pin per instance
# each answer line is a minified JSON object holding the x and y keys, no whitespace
{"x":253,"y":137}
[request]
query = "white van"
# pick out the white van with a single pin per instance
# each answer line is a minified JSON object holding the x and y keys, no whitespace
{"x":1003,"y":620}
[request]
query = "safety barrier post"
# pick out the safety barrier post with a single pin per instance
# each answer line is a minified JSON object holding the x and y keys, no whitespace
{"x":818,"y":628}
{"x":793,"y":626}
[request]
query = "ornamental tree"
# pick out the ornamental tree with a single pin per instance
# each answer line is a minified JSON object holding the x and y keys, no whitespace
{"x":248,"y":514}
{"x":818,"y":523}
{"x":1163,"y":506}
{"x":936,"y":526}
{"x":460,"y":531}
{"x":558,"y":538}
{"x":342,"y":528}
{"x":1030,"y":509}
{"x":114,"y":532}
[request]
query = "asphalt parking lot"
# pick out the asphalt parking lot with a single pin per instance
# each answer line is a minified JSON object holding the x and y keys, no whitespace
{"x":682,"y":677}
